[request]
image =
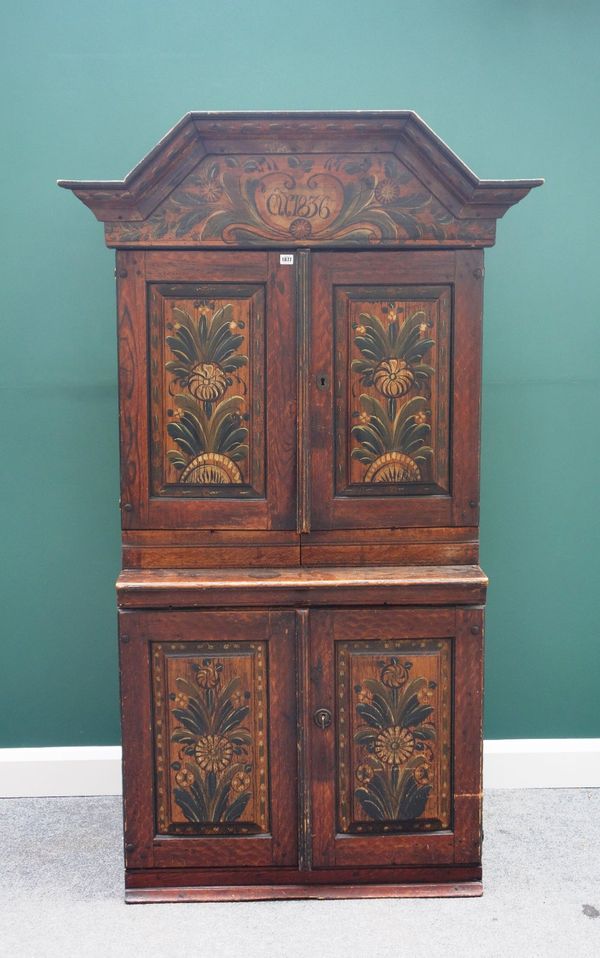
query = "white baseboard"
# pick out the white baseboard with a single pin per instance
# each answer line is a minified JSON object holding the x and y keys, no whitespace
{"x":541,"y":763}
{"x":96,"y":769}
{"x":78,"y":770}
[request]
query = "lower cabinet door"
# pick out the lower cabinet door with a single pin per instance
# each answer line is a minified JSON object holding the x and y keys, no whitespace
{"x":209,"y":738}
{"x":395,"y":736}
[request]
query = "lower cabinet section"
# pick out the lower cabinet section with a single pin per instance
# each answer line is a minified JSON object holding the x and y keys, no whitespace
{"x":291,"y":753}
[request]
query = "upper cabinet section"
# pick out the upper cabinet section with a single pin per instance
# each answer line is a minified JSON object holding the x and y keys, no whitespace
{"x":287,"y":180}
{"x":299,"y":302}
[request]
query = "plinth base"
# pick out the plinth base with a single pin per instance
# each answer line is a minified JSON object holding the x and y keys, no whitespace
{"x":468,"y":889}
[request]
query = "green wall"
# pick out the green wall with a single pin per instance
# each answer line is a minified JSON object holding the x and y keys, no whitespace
{"x":87,"y":90}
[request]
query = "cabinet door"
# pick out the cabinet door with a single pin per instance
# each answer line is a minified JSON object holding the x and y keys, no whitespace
{"x":395,"y":776}
{"x":394,"y":393}
{"x":209,"y":738}
{"x":207,"y":389}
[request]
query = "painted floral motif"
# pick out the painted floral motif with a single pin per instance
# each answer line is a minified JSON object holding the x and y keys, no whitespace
{"x":393,"y":378}
{"x":364,"y":773}
{"x":207,"y":382}
{"x":240,"y":782}
{"x":394,"y":675}
{"x":300,"y":228}
{"x":392,"y":435}
{"x":209,"y":430}
{"x":387,"y":191}
{"x":207,"y":675}
{"x":184,"y":778}
{"x":393,"y":450}
{"x":213,"y":753}
{"x":395,"y":744}
{"x":209,"y":188}
{"x":212,"y":777}
{"x":424,"y":774}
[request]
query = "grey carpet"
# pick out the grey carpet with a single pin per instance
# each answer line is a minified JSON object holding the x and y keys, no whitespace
{"x":61,"y":894}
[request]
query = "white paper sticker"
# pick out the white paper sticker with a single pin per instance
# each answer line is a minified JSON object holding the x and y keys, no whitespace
{"x":286,"y":259}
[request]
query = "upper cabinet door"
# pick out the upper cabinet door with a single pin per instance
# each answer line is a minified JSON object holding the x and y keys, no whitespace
{"x":394,"y":389}
{"x":208,"y":390}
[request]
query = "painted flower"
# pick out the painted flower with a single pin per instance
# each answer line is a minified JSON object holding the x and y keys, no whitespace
{"x":213,"y":753}
{"x":420,"y":418}
{"x":210,"y":190}
{"x":393,"y":378}
{"x":181,"y":700}
{"x":162,"y":220}
{"x":387,"y":191}
{"x":425,"y":696}
{"x":394,"y":675}
{"x":300,"y":228}
{"x":364,"y":417}
{"x":393,"y":467}
{"x":423,"y":774}
{"x":211,"y":468}
{"x":394,"y":745}
{"x":422,"y":327}
{"x":365,"y":696}
{"x":184,"y":778}
{"x":207,"y":675}
{"x":360,"y":330}
{"x":207,"y":382}
{"x":240,"y":782}
{"x":364,"y":773}
{"x":237,"y":699}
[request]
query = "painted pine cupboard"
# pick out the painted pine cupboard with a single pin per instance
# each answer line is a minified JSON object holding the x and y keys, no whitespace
{"x":301,"y":605}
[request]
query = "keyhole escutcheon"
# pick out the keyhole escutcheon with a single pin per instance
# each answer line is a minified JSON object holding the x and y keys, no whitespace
{"x":322,"y":718}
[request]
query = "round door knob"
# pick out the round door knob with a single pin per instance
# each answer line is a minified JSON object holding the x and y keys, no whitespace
{"x":322,"y":718}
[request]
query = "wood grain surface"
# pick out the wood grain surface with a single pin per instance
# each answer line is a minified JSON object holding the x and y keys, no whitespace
{"x":411,"y":585}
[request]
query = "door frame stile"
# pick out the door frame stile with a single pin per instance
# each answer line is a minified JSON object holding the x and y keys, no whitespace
{"x":303,"y":743}
{"x":303,"y":307}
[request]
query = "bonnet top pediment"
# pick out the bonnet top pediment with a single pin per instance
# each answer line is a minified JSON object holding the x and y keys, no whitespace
{"x":289,"y":179}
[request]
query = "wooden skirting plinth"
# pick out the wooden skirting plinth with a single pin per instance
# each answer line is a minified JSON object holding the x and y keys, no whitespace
{"x":140,"y":896}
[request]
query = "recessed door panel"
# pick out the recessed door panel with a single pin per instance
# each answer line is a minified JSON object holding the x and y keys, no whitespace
{"x":394,"y":735}
{"x":207,"y":390}
{"x":392,"y":418}
{"x":211,"y":738}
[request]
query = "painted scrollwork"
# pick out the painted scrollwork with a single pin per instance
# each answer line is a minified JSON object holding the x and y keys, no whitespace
{"x":271,"y":199}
